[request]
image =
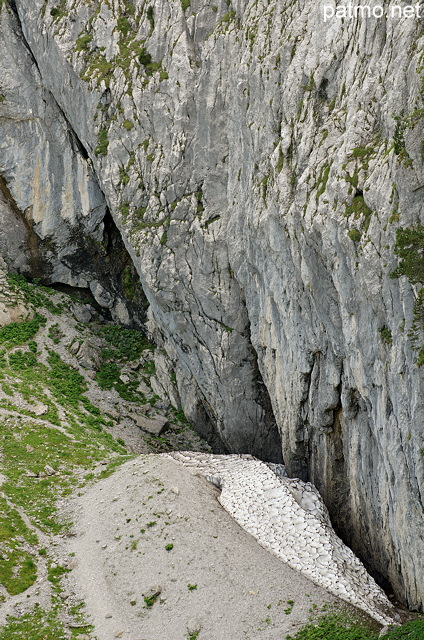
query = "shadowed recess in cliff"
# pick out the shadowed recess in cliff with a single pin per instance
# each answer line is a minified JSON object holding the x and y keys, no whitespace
{"x":111,"y":280}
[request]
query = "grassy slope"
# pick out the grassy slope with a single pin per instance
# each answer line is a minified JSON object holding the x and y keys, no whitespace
{"x":53,"y":439}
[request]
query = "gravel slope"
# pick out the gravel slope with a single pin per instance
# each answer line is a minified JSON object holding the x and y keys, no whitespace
{"x":239,"y":590}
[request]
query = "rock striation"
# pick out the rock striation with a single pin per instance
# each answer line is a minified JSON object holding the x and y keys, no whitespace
{"x":258,"y":163}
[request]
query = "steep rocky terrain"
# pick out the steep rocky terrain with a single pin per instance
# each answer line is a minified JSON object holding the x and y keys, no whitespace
{"x":255,"y":167}
{"x":92,"y":535}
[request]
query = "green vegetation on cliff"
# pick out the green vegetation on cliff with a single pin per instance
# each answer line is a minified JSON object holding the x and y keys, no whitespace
{"x":409,"y":248}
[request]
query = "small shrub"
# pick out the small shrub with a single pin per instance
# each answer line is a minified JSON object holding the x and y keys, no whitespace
{"x":399,"y":134}
{"x":55,"y":333}
{"x":144,"y":57}
{"x":19,"y":360}
{"x":362,"y":152}
{"x":151,"y":19}
{"x":409,"y":248}
{"x":103,"y":144}
{"x":82,"y":42}
{"x":150,"y":600}
{"x":386,"y":335}
{"x":129,"y":343}
{"x":123,"y":26}
{"x":64,"y":381}
{"x":358,"y":208}
{"x":354,"y":235}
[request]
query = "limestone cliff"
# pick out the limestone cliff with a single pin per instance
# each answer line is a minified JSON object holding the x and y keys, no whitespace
{"x":257,"y":163}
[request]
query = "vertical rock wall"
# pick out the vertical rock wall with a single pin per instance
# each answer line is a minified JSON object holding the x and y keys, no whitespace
{"x":55,"y":221}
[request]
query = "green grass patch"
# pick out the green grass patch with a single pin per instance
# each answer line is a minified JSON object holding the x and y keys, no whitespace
{"x":103,"y":144}
{"x":83,"y":41}
{"x":17,"y":333}
{"x":39,"y":624}
{"x":409,"y":248}
{"x":341,"y":626}
{"x":129,"y":343}
{"x":322,"y":181}
{"x":29,"y":447}
{"x":64,"y":381}
{"x":18,"y":569}
{"x":55,"y":575}
{"x":108,"y":375}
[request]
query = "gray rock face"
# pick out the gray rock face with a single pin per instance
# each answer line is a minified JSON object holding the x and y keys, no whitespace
{"x":251,"y":161}
{"x":54,"y":217}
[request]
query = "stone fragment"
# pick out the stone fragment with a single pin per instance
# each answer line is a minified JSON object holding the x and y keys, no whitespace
{"x":153,"y":592}
{"x":154,"y":425}
{"x":144,"y":389}
{"x":49,"y":470}
{"x":40,"y":409}
{"x":193,"y":626}
{"x":88,"y":356}
{"x":73,"y":348}
{"x":112,"y":413}
{"x":81,"y":313}
{"x":15,"y":313}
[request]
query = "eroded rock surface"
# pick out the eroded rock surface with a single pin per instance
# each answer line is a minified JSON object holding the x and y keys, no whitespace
{"x":251,"y":160}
